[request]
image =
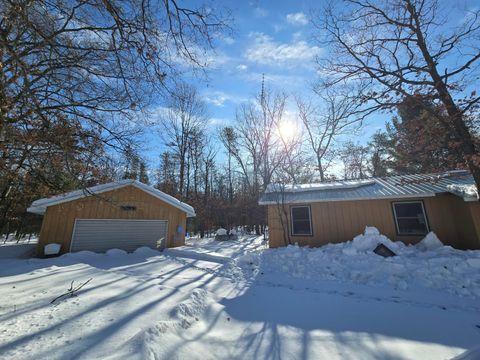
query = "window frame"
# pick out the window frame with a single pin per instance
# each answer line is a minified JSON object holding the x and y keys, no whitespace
{"x":309,"y":218}
{"x":395,"y":219}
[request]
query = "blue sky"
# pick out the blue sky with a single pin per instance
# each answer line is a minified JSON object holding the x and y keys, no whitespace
{"x":269,"y":37}
{"x":272,"y":38}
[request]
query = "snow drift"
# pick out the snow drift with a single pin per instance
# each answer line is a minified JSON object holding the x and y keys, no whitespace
{"x":429,"y":264}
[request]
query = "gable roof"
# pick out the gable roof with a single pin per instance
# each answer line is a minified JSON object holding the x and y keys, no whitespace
{"x":40,"y":206}
{"x":458,"y":182}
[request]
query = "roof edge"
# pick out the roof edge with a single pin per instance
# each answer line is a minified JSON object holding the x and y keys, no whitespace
{"x":40,"y":206}
{"x":406,"y":196}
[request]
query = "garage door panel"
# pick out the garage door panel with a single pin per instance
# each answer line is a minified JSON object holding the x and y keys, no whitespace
{"x":103,"y":234}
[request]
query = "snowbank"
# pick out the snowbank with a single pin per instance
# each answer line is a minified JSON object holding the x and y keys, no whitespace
{"x":146,"y":251}
{"x":368,"y":241}
{"x":441,"y":267}
{"x":430,"y":242}
{"x":471,"y":354}
{"x":116,"y":252}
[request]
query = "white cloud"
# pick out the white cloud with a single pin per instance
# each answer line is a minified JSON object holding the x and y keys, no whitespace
{"x":297,"y":18}
{"x":219,"y":122}
{"x":277,"y":27}
{"x":265,"y":50}
{"x":228,"y":40}
{"x":292,"y":82}
{"x":297,"y":35}
{"x":219,"y":98}
{"x":242,"y":67}
{"x":260,"y":12}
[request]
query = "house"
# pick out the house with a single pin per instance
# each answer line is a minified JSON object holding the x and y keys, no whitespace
{"x":403,"y":208}
{"x":126,"y":215}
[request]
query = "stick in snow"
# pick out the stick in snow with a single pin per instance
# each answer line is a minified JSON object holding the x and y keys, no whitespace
{"x":72,"y":291}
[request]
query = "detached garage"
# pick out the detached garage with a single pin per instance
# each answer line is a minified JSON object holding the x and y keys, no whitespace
{"x":124,"y":215}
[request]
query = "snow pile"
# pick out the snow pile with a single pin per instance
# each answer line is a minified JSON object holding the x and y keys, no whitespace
{"x":184,"y":315}
{"x":471,"y":354}
{"x":368,"y":241}
{"x":146,"y":251}
{"x":430,"y":242}
{"x":221,"y":232}
{"x":79,"y":255}
{"x":189,"y":310}
{"x":116,"y":252}
{"x":464,"y":190}
{"x":441,"y":267}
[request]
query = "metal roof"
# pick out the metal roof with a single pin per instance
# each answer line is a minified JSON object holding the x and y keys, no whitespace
{"x":458,"y":182}
{"x":40,"y":206}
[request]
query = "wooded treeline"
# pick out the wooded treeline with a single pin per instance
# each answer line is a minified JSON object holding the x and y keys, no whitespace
{"x":79,"y":81}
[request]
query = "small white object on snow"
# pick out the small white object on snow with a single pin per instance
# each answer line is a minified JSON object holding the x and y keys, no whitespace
{"x":52,"y":249}
{"x":233,"y":232}
{"x":429,"y":242}
{"x":221,"y":232}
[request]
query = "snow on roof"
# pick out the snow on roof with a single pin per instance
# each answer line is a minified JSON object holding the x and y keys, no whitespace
{"x":347,"y":184}
{"x":40,"y":206}
{"x":464,"y":190}
{"x":458,"y":182}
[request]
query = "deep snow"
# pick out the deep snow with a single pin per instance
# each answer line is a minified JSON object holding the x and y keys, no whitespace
{"x":237,"y":299}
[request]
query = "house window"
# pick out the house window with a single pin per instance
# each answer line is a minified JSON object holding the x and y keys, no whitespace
{"x":301,"y":220}
{"x":410,"y":218}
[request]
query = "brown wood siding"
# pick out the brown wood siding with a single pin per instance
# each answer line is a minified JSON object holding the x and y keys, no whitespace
{"x":456,"y":223}
{"x":58,"y":221}
{"x":475,"y":213}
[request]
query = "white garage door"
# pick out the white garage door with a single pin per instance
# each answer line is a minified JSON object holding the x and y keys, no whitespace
{"x":99,"y":235}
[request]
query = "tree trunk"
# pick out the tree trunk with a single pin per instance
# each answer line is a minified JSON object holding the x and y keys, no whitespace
{"x":460,"y":129}
{"x":320,"y":168}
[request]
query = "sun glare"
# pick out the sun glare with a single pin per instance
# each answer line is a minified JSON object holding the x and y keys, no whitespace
{"x":287,"y":130}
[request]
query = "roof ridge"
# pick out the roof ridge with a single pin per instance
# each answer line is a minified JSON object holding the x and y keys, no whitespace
{"x":39,"y":206}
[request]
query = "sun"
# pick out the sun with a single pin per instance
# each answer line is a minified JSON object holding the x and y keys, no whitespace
{"x":287,"y":130}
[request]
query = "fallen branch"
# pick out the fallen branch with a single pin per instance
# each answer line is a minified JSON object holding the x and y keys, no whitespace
{"x":71,"y":291}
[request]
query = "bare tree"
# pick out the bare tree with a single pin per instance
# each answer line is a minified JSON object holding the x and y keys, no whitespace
{"x":183,"y":120}
{"x":355,"y":160}
{"x":75,"y":73}
{"x":227,"y":137}
{"x":333,"y":116}
{"x":403,"y":48}
{"x":257,"y":147}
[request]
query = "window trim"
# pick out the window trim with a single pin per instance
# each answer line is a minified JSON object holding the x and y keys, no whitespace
{"x":309,"y":218}
{"x":424,"y":216}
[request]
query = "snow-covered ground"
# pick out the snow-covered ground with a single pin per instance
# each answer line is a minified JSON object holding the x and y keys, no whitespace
{"x":240,"y":300}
